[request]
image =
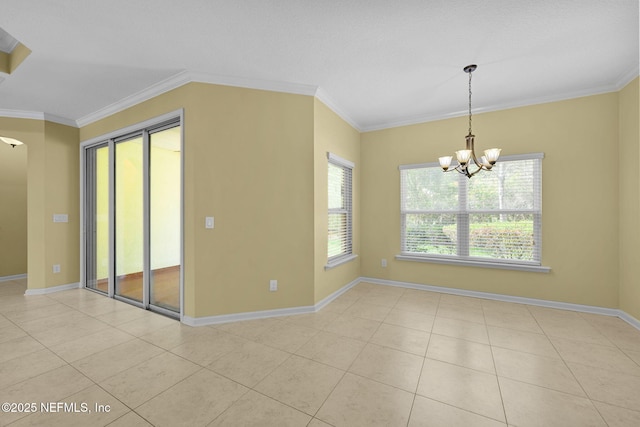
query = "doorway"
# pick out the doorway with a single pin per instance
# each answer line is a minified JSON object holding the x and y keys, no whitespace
{"x":132,"y":216}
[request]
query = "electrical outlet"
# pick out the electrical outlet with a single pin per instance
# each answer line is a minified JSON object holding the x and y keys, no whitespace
{"x":384,"y":262}
{"x":56,"y":268}
{"x":273,"y":285}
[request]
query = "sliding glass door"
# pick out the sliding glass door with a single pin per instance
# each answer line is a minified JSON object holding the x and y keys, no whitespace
{"x":129,"y":218}
{"x":96,"y":208}
{"x":133,"y":216}
{"x":164,"y":217}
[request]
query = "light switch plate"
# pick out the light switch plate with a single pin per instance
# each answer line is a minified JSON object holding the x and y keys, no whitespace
{"x":60,"y":218}
{"x":208,"y":222}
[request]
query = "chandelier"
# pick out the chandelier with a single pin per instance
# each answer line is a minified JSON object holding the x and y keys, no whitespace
{"x":466,"y":157}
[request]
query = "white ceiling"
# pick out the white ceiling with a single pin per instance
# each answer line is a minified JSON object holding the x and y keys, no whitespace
{"x":378,"y":63}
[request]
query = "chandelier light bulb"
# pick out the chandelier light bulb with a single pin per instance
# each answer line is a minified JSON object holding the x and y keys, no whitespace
{"x":485,"y":163}
{"x":463,"y":156}
{"x":492,"y":155}
{"x":445,"y":162}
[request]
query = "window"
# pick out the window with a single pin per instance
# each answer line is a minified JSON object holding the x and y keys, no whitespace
{"x":492,"y":219}
{"x":339,"y":248}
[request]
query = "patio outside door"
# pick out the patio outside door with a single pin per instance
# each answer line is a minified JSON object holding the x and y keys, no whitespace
{"x":132,"y":217}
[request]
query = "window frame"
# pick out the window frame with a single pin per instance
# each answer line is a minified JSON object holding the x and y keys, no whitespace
{"x":463,"y":213}
{"x":347,"y":208}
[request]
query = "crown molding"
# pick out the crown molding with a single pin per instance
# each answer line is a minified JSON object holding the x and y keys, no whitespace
{"x":276,"y":86}
{"x":628,"y":77}
{"x":21,"y":114}
{"x":37,"y":115}
{"x":496,"y":107}
{"x":152,"y":91}
{"x":324,"y":97}
{"x":175,"y":82}
{"x":247,"y":83}
{"x":61,"y":120}
{"x":185,"y":77}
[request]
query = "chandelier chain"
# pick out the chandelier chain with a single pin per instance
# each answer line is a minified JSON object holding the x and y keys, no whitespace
{"x":470,"y":72}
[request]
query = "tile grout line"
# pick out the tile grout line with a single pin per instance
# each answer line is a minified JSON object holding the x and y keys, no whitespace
{"x":457,"y":365}
{"x":344,"y":374}
{"x":495,"y":368}
{"x":568,"y":368}
{"x":415,"y":394}
{"x":544,"y":333}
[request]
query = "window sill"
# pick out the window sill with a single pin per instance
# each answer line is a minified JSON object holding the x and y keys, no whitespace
{"x":475,"y":263}
{"x":340,"y":261}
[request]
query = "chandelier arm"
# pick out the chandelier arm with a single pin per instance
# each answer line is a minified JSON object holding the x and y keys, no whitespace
{"x":475,"y":160}
{"x":477,"y":170}
{"x":466,"y":172}
{"x":457,"y":169}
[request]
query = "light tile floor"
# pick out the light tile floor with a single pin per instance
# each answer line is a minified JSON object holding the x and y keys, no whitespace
{"x":377,"y":355}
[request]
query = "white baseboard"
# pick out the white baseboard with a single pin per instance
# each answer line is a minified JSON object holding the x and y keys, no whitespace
{"x":253,"y":315}
{"x":629,"y":319}
{"x":507,"y":298}
{"x":323,"y":302}
{"x":497,"y":297}
{"x":45,"y":291}
{"x":15,"y":277}
{"x":225,"y":318}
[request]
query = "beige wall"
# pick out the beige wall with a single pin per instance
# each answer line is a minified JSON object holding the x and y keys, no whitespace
{"x":629,"y":198}
{"x":61,"y":195}
{"x":332,"y":134}
{"x":13,"y":196}
{"x":256,"y":160}
{"x":249,"y":163}
{"x":580,"y":201}
{"x":52,"y":186}
{"x":251,"y":156}
{"x":10,"y":61}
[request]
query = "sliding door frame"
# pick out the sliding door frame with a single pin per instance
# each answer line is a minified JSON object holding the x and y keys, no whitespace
{"x":110,"y":139}
{"x":90,"y":164}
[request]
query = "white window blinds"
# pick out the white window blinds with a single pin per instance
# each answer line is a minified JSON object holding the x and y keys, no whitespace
{"x":493,"y":217}
{"x":340,"y":208}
